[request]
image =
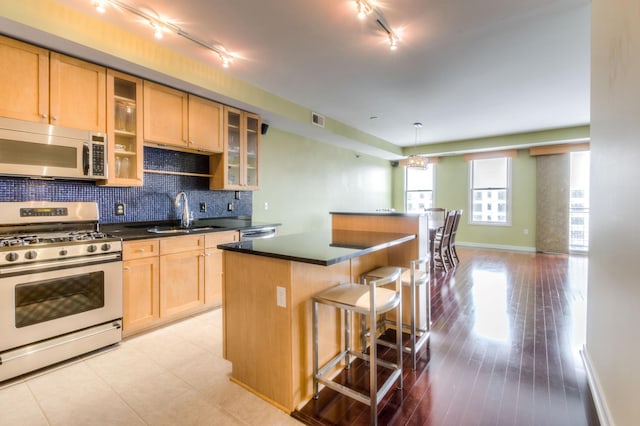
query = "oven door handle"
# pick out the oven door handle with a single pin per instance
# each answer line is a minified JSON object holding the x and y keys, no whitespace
{"x":30,"y":267}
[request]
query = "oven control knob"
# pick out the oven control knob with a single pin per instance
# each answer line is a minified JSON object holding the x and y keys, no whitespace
{"x":106,"y":247}
{"x":92,"y":248}
{"x":63,"y":252}
{"x":31,"y":254}
{"x":11,"y":257}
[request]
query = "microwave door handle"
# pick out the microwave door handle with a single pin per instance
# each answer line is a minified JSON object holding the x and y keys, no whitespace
{"x":85,"y":159}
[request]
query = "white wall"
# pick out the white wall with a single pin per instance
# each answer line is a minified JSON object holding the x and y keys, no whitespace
{"x":613,"y":313}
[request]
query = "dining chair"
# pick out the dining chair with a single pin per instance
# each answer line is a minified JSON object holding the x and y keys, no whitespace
{"x":441,"y":256}
{"x":453,"y":254}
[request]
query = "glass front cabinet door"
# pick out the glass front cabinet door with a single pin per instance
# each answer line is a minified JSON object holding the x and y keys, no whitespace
{"x":238,"y":167}
{"x":124,"y":130}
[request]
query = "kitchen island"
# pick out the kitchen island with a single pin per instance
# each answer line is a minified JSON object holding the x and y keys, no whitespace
{"x":268,"y":285}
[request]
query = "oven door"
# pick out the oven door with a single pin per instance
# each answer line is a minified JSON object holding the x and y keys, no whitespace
{"x":39,"y":303}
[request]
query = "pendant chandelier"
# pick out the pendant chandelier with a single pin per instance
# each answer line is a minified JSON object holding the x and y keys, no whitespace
{"x":416,"y":161}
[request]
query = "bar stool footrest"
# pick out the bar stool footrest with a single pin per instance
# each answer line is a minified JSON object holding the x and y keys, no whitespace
{"x":345,"y":390}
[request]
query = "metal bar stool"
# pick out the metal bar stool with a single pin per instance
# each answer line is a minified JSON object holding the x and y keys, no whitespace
{"x":415,"y":276}
{"x":370,"y":299}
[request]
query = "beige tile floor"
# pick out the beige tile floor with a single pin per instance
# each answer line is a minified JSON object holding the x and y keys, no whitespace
{"x":171,"y":376}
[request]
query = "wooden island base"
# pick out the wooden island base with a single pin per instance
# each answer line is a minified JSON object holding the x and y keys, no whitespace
{"x":267,"y":315}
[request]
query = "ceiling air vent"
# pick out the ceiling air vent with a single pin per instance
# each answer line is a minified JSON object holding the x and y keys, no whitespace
{"x":317,"y":119}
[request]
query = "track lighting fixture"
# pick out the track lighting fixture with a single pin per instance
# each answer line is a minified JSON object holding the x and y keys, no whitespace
{"x":100,"y":5}
{"x":157,"y":29}
{"x":160,"y":27}
{"x":365,"y":9}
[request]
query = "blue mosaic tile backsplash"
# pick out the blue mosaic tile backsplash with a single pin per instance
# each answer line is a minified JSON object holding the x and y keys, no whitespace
{"x":152,"y":202}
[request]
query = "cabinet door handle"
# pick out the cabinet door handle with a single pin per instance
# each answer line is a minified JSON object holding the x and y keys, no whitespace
{"x":45,"y":116}
{"x":141,"y":250}
{"x":55,"y":118}
{"x":126,"y":268}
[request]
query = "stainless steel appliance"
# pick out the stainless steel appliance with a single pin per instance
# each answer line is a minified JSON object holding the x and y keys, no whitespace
{"x":257,"y":233}
{"x":46,"y":151}
{"x":60,"y":284}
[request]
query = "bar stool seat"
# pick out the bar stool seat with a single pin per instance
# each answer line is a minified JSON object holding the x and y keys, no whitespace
{"x":413,"y":277}
{"x":355,"y":297}
{"x":370,"y":299}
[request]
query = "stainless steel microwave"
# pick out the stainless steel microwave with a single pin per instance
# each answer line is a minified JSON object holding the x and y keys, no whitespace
{"x":47,"y":151}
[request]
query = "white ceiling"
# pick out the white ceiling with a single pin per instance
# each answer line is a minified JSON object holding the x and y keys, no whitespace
{"x":464,"y":68}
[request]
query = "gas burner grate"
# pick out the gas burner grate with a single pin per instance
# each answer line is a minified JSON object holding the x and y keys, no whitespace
{"x":49,"y":238}
{"x":11,"y":241}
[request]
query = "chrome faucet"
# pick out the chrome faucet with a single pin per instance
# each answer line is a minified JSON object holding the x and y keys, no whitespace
{"x":185,"y":222}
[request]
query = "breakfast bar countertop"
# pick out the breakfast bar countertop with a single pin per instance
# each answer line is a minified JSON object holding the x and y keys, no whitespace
{"x":323,"y":247}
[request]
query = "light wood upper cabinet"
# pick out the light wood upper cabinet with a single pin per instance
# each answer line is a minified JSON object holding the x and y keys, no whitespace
{"x":205,"y":125}
{"x":24,"y":81}
{"x":124,"y":130}
{"x":47,"y":87}
{"x":78,"y":94}
{"x":238,"y":167}
{"x":180,"y":120}
{"x":165,"y":115}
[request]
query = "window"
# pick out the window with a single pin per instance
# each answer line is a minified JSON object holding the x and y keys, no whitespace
{"x":489,"y":190}
{"x":419,"y":192}
{"x":579,"y":202}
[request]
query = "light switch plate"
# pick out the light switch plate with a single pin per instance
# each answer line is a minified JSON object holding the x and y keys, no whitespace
{"x":281,"y":296}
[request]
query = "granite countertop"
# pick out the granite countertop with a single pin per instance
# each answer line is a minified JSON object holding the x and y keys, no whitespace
{"x":379,"y":213}
{"x":139,"y":230}
{"x":324,"y":247}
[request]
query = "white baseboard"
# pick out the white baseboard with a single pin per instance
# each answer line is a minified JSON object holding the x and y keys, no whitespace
{"x":599,"y":401}
{"x":496,"y":246}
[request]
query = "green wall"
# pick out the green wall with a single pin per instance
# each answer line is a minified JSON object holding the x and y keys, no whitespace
{"x":302,"y":180}
{"x":452,"y":186}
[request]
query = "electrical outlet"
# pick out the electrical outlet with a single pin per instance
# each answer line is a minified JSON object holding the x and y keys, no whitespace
{"x":203,"y":207}
{"x":237,"y":195}
{"x":281,"y":296}
{"x":266,"y":205}
{"x":120,"y":210}
{"x":230,"y":207}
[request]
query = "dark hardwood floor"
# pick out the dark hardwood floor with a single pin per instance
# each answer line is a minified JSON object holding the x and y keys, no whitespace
{"x":504,"y":350}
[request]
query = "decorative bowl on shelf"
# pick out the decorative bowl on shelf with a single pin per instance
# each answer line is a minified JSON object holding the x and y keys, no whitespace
{"x":120,"y":147}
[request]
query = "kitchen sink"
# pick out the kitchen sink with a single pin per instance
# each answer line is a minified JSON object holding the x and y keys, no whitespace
{"x":178,"y":229}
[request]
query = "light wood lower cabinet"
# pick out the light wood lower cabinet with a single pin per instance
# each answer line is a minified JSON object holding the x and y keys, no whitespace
{"x":181,"y":274}
{"x":141,"y":285}
{"x":169,"y":278}
{"x":213,"y":278}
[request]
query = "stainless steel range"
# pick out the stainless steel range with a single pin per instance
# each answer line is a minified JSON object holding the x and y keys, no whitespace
{"x":60,"y":284}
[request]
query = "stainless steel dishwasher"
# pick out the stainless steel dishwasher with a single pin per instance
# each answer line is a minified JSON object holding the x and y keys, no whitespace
{"x":257,"y":233}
